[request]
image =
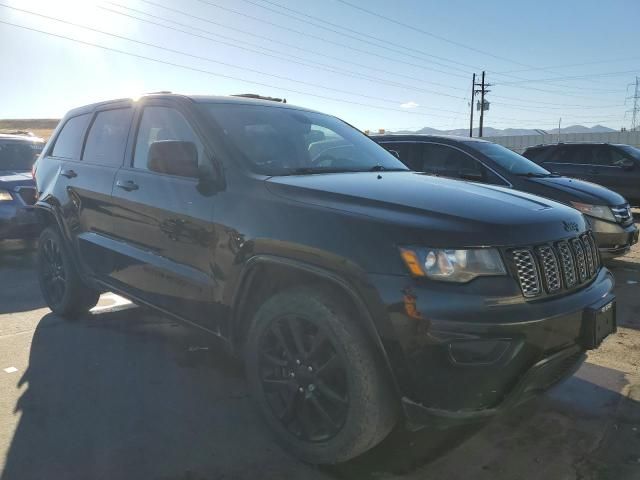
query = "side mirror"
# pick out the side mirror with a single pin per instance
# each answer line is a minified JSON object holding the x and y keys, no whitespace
{"x":394,"y":153}
{"x":472,"y":175}
{"x":627,"y":164}
{"x":173,"y":157}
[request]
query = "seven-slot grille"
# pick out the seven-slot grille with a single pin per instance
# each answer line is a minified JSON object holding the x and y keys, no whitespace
{"x":551,"y":268}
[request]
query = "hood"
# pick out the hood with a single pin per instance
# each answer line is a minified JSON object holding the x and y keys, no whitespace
{"x":445,"y":210}
{"x":10,"y":179}
{"x":565,"y":189}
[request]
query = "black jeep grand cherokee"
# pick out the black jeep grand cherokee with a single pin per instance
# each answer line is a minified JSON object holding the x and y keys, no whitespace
{"x":359,"y":293}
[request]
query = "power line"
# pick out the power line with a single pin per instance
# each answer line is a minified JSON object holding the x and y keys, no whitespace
{"x":277,"y":54}
{"x":605,"y":74}
{"x":569,"y":65}
{"x":366,"y":35}
{"x":351,"y":62}
{"x":309,"y":35}
{"x":439,"y":37}
{"x":220,"y":75}
{"x":377,"y":39}
{"x":208,"y":59}
{"x":425,"y":32}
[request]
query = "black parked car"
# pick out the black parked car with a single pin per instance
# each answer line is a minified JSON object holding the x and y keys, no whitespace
{"x":17,"y":188}
{"x":480,"y":161}
{"x":614,"y":166}
{"x":360,"y":294}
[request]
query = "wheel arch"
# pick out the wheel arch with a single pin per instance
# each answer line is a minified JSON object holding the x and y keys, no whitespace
{"x":253,"y":289}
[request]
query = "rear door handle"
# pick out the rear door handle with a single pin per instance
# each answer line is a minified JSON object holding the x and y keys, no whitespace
{"x":68,"y":173}
{"x":129,"y":185}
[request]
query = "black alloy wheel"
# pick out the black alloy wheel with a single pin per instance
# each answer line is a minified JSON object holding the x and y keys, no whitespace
{"x":304,"y":378}
{"x":53,"y":274}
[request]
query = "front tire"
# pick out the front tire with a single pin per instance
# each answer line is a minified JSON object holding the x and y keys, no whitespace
{"x":315,"y":378}
{"x":61,"y":286}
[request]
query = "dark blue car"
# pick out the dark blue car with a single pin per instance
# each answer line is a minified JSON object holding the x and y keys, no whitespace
{"x":17,"y":187}
{"x":477,"y":160}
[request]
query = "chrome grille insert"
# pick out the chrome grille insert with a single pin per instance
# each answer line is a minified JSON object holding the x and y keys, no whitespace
{"x":550,"y":269}
{"x":568,"y":264}
{"x":527,"y":272}
{"x":589,"y":255}
{"x":581,"y":261}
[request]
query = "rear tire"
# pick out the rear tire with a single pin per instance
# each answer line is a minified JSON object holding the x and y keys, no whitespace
{"x":315,"y":378}
{"x":61,"y":286}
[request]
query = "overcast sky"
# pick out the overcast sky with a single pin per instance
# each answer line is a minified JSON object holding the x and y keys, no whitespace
{"x":363,"y":66}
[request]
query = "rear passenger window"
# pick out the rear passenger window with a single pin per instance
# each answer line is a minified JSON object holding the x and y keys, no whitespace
{"x":447,"y":161}
{"x":107,"y":137}
{"x":578,"y":155}
{"x":162,"y":123}
{"x":69,"y":141}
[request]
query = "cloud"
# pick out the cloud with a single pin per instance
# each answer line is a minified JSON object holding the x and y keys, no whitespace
{"x":410,"y":104}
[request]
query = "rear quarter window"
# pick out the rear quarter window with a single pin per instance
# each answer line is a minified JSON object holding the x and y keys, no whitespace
{"x":68,"y":143}
{"x":107,"y":137}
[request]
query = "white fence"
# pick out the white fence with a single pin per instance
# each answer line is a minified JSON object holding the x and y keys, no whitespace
{"x":519,"y":142}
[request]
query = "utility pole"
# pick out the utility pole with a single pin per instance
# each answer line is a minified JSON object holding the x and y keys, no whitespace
{"x":559,"y":123}
{"x":482,"y":105}
{"x":635,"y":111}
{"x":473,"y":93}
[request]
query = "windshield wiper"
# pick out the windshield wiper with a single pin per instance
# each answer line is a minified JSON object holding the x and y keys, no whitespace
{"x":312,"y":170}
{"x":535,"y":175}
{"x":380,"y":168}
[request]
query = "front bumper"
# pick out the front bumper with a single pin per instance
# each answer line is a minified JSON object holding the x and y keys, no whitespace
{"x":613,"y":239}
{"x":461,"y":355}
{"x":18,"y":222}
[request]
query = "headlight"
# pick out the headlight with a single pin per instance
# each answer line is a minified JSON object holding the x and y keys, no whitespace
{"x":597,"y":211}
{"x":5,"y":196}
{"x":452,"y":265}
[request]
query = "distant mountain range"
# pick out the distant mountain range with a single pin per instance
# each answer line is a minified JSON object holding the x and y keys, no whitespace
{"x":496,"y":132}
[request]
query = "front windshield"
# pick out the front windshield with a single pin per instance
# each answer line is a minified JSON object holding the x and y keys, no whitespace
{"x":632,"y":151}
{"x":18,"y":155}
{"x":510,"y":160}
{"x":285,"y":141}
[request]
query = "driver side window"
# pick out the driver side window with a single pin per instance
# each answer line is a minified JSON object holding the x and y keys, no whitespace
{"x":162,"y":123}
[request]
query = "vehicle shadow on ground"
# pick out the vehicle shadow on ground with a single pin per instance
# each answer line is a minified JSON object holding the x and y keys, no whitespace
{"x":17,"y":269}
{"x":129,"y":395}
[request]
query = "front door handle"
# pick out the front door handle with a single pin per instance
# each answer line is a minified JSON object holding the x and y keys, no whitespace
{"x":593,"y":171}
{"x":68,"y":173}
{"x":129,"y":185}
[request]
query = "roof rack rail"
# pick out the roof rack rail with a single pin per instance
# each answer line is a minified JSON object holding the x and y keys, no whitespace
{"x":260,"y":97}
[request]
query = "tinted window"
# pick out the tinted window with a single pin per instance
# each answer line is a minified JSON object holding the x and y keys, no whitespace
{"x":69,"y":141}
{"x":284,"y":141}
{"x":107,"y":137}
{"x":536,"y":155}
{"x":17,"y":155}
{"x":162,"y":123}
{"x":577,"y":154}
{"x":508,"y":159}
{"x":446,"y":161}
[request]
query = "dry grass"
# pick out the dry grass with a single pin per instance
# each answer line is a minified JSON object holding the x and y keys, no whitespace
{"x":41,"y":127}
